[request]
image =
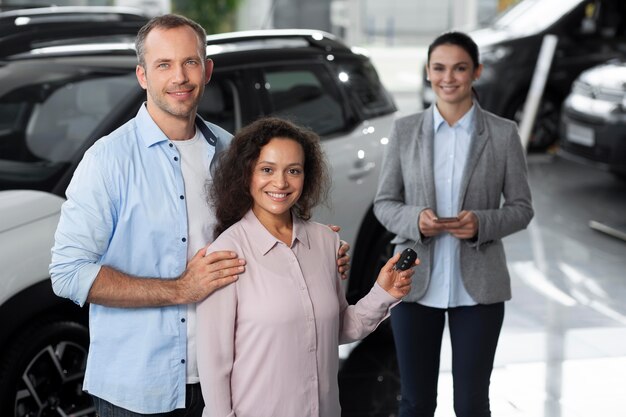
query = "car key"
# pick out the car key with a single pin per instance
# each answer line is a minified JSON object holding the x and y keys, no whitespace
{"x":407,"y":259}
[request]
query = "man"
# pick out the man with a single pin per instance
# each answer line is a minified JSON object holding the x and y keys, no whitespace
{"x":131,"y":236}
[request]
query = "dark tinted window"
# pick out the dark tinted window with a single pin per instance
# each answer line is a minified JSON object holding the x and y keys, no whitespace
{"x":44,"y":125}
{"x":306,"y":96}
{"x":364,"y":88}
{"x":9,"y":116}
{"x":220,"y":104}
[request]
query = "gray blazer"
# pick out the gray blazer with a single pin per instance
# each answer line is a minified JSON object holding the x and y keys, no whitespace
{"x":494,"y":186}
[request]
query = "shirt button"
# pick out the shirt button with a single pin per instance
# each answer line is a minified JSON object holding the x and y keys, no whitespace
{"x":182,"y":361}
{"x":175,"y":158}
{"x":184,"y":239}
{"x":182,"y":320}
{"x":171,"y":145}
{"x":182,"y":197}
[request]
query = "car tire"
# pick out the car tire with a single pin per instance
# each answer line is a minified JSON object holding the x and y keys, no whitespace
{"x":42,"y":370}
{"x":545,"y":132}
{"x":370,"y":261}
{"x":378,"y":255}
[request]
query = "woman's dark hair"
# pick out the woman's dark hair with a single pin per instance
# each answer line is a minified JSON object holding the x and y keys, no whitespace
{"x":230,"y":189}
{"x":458,"y":39}
{"x":464,"y":42}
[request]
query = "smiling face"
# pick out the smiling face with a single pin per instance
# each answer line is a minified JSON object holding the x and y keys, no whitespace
{"x":277,"y":180}
{"x":451,"y":73}
{"x":174,"y":73}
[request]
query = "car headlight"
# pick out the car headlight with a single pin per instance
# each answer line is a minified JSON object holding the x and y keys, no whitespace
{"x":582,"y":88}
{"x":493,"y":55}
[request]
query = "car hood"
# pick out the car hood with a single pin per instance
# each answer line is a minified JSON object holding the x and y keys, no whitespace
{"x":611,"y":75}
{"x":487,"y":37}
{"x":19,"y":207}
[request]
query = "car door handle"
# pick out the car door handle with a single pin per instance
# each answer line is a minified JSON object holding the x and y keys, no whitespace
{"x":360,"y":170}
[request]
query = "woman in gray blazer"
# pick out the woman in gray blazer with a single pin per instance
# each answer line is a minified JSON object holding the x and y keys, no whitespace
{"x":453,"y":184}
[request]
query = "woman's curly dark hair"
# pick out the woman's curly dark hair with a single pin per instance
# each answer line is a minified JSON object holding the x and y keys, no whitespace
{"x":229,"y":193}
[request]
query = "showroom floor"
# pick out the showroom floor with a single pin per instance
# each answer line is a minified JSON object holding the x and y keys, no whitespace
{"x":562,"y":351}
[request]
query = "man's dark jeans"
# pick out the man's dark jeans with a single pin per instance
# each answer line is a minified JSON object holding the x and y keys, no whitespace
{"x":194,"y":404}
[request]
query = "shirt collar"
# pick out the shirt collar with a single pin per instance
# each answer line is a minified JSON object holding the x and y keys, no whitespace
{"x":438,"y":119}
{"x":466,"y":122}
{"x":264,"y":241}
{"x":147,"y":128}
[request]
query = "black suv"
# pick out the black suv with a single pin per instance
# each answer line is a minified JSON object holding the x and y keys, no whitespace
{"x":589,"y":32}
{"x":59,"y":95}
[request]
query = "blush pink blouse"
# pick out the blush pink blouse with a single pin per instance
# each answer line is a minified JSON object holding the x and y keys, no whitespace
{"x":267,"y":344}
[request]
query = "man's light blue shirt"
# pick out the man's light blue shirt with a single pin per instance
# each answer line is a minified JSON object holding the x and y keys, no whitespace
{"x":451,"y":148}
{"x":126,"y":209}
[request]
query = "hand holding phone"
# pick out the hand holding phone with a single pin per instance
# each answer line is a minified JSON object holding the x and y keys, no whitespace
{"x":446,"y":219}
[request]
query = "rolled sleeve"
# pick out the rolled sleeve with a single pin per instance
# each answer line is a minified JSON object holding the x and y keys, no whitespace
{"x":83,"y":233}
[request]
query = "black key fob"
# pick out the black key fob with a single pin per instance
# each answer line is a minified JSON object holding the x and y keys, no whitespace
{"x":407,"y":259}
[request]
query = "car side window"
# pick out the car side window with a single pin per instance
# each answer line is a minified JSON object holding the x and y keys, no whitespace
{"x":220,"y":104}
{"x":604,"y":19}
{"x":9,"y":113}
{"x":45,"y":124}
{"x":60,"y":124}
{"x":305,"y":96}
{"x":363,"y":86}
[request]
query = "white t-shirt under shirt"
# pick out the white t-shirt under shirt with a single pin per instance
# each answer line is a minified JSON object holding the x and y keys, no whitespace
{"x":195,"y":156}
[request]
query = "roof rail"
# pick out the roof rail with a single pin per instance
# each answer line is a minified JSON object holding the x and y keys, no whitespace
{"x":315,"y":38}
{"x":69,"y":11}
{"x":21,"y":29}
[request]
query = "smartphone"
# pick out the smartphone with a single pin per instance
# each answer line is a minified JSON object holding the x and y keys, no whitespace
{"x":446,"y":219}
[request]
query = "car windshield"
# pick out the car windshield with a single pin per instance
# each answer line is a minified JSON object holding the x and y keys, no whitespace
{"x":44,"y":124}
{"x":531,"y":16}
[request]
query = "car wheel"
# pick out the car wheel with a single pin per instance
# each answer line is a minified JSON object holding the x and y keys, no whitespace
{"x":41,"y":372}
{"x":545,"y":131}
{"x":369,"y":381}
{"x":378,"y":255}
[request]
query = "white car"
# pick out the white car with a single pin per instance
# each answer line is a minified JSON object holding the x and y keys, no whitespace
{"x":49,"y":117}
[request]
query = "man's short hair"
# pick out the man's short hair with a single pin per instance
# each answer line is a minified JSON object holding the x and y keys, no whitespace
{"x":168,"y":21}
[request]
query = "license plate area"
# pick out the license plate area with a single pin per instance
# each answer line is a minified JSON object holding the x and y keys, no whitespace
{"x":580,"y":135}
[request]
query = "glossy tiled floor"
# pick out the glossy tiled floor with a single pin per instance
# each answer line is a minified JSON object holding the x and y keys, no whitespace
{"x":562,"y":352}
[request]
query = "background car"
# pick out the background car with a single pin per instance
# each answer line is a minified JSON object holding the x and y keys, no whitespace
{"x":589,"y":32}
{"x":59,"y":95}
{"x":594,"y":118}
